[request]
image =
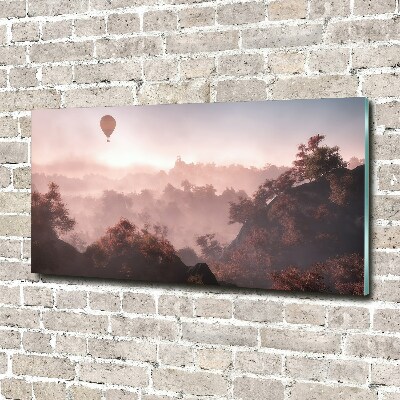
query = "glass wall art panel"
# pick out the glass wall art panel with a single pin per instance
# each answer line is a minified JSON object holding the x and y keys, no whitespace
{"x":267,"y":195}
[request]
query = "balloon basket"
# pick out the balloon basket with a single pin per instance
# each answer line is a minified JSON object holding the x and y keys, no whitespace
{"x":108,"y":140}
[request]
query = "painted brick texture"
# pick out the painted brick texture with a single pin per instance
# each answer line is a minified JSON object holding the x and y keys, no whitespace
{"x":83,"y":339}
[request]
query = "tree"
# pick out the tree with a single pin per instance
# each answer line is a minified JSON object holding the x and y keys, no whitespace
{"x":125,"y":239}
{"x":342,"y":274}
{"x":50,"y":217}
{"x":211,"y":249}
{"x":314,"y":161}
{"x":241,"y":211}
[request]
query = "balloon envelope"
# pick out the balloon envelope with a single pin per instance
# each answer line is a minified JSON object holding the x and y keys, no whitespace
{"x":107,"y":125}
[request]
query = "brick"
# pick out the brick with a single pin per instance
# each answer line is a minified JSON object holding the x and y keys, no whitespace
{"x":57,"y":30}
{"x":108,"y":72}
{"x":258,"y":389}
{"x":386,"y":237}
{"x":14,"y":202}
{"x":16,"y":389}
{"x":175,"y":355}
{"x":104,"y":301}
{"x":71,"y":299}
{"x":372,"y":346}
{"x":22,"y":178}
{"x":382,"y":85}
{"x":23,"y":77}
{"x":96,"y":97}
{"x":70,"y":345}
{"x":159,"y":21}
{"x":16,"y":271}
{"x":12,"y":8}
{"x":202,"y":42}
{"x":53,"y":7}
{"x":348,"y":318}
{"x":9,"y":295}
{"x":386,"y":147}
{"x":115,"y":4}
{"x":329,"y":8}
{"x":115,"y":374}
{"x":139,"y":303}
{"x":257,"y":362}
{"x":28,"y":100}
{"x":93,"y":26}
{"x":121,"y":394}
{"x":367,"y":7}
{"x":123,"y":349}
{"x":48,"y":367}
{"x":305,"y":314}
{"x":12,"y":55}
{"x":25,"y":31}
{"x":329,"y":61}
{"x":57,"y":75}
{"x":15,"y":225}
{"x":25,"y":126}
{"x":157,"y":69}
{"x":20,"y":318}
{"x":85,"y":393}
{"x":144,"y":328}
{"x":282,"y":36}
{"x":314,"y":391}
{"x":387,"y":291}
{"x":314,"y":87}
{"x":63,"y":51}
{"x":10,"y":339}
{"x":390,"y":396}
{"x":38,"y":296}
{"x":296,"y":340}
{"x":258,"y":310}
{"x":74,"y":322}
{"x":351,"y":372}
{"x":389,"y":177}
{"x":193,"y":91}
{"x":386,"y":207}
{"x":385,"y":263}
{"x":229,"y":335}
{"x":307,"y":368}
{"x":362,"y":31}
{"x":194,"y":383}
{"x":197,"y":68}
{"x":8,"y":127}
{"x":191,"y":17}
{"x":49,"y":390}
{"x":5,"y":177}
{"x":241,"y":64}
{"x":10,"y":248}
{"x":386,"y":320}
{"x":376,"y":56}
{"x":241,"y":90}
{"x":37,"y":342}
{"x":26,"y":249}
{"x":13,"y":152}
{"x":214,"y":359}
{"x":119,"y":24}
{"x":214,"y":308}
{"x":3,"y":78}
{"x":241,"y":13}
{"x":287,"y":9}
{"x":385,"y":374}
{"x":3,"y":363}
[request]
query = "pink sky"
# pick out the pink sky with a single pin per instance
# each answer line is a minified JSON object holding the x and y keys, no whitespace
{"x":70,"y":141}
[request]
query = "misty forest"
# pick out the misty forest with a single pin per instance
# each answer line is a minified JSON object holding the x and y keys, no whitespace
{"x":297,"y":228}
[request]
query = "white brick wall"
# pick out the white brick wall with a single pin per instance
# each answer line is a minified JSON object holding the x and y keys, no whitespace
{"x":67,"y":338}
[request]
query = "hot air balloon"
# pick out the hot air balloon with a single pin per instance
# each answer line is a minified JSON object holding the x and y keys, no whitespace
{"x":107,"y":125}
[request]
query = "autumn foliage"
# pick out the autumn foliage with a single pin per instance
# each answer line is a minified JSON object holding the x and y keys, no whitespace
{"x":342,"y":275}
